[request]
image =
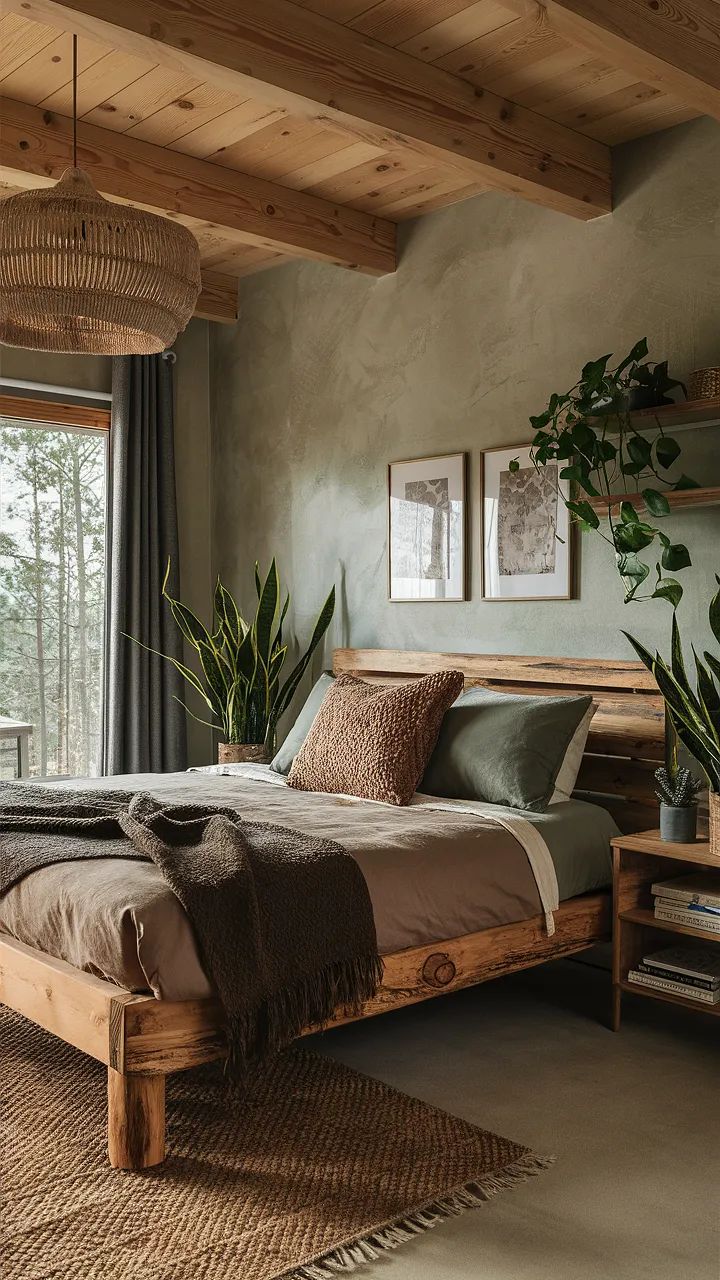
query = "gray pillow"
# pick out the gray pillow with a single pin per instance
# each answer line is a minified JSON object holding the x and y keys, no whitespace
{"x":285,"y":755}
{"x":505,"y":748}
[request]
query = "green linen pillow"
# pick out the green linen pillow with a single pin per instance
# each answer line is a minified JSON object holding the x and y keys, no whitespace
{"x":282,"y":761}
{"x":505,"y":748}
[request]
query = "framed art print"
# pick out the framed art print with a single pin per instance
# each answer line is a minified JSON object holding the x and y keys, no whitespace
{"x":527,"y":538}
{"x":426,"y":528}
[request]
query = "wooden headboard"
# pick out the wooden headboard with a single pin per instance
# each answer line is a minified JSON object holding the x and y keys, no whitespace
{"x":627,"y":732}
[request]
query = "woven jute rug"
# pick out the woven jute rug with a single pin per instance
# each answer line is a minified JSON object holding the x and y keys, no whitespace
{"x":311,"y":1172}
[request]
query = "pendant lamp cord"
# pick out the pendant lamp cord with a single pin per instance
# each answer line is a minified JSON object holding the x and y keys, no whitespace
{"x":74,"y":98}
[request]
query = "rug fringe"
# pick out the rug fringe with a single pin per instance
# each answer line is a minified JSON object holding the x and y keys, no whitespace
{"x":348,"y":1257}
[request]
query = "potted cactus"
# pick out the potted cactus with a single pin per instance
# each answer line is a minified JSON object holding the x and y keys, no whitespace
{"x":677,"y":792}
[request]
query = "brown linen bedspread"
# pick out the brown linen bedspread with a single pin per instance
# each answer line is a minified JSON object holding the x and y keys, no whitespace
{"x":431,"y":875}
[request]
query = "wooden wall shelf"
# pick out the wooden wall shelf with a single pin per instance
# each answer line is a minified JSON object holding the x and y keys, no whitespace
{"x":687,"y":413}
{"x":684,"y":416}
{"x":678,"y":499}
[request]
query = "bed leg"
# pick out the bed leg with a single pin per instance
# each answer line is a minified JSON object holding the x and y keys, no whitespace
{"x":136,"y":1120}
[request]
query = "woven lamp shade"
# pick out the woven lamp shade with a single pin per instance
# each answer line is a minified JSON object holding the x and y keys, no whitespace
{"x":81,"y":274}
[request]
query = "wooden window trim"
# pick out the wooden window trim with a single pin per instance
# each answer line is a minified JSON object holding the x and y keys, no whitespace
{"x":55,"y":412}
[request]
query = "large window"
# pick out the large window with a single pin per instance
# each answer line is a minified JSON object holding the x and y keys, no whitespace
{"x":53,"y":461}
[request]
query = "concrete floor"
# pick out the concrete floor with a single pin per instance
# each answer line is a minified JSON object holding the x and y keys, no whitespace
{"x":633,"y":1119}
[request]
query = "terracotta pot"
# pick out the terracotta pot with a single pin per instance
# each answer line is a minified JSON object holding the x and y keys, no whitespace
{"x":242,"y":753}
{"x":714,"y":798}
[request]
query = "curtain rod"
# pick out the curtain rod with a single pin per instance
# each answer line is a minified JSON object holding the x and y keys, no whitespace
{"x":23,"y":385}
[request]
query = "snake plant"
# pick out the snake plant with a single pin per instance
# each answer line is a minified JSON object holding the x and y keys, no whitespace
{"x":241,"y":662}
{"x":693,"y":705}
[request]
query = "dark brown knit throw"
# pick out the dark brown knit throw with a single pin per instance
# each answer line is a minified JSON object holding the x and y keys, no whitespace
{"x":283,"y":921}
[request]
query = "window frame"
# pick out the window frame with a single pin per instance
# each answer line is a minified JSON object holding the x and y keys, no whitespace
{"x":70,"y":418}
{"x":54,"y":413}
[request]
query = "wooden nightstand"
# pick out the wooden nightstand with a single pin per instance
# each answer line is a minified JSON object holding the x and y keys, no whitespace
{"x":638,"y":861}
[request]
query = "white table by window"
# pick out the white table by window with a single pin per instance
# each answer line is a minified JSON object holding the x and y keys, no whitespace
{"x":21,"y":733}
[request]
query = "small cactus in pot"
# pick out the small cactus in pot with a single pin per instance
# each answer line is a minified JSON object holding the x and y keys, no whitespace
{"x":677,"y":791}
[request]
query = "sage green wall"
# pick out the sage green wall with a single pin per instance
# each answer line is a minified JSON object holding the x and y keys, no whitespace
{"x":86,"y":373}
{"x":494,"y":305}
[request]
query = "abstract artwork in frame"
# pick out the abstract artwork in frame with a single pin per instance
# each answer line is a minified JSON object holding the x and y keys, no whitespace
{"x":527,"y":539}
{"x":426,"y":528}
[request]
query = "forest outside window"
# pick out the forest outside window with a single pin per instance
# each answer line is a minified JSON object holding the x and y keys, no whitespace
{"x":53,"y":473}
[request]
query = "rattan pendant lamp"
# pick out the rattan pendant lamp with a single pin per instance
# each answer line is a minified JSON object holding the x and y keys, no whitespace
{"x":81,"y":274}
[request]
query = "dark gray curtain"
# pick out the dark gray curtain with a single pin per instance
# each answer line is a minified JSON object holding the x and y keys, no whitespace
{"x":144,"y":728}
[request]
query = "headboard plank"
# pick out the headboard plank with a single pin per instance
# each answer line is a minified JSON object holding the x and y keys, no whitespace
{"x":627,"y":734}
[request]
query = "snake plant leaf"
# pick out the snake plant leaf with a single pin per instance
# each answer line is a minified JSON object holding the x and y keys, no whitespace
{"x":266,"y":616}
{"x":689,"y":728}
{"x":288,"y":689}
{"x":246,"y":659}
{"x":208,"y":723}
{"x":713,"y":663}
{"x":714,"y":614}
{"x":708,"y":697}
{"x":233,"y":627}
{"x":283,"y":612}
{"x":185,"y":672}
{"x":677,"y":660}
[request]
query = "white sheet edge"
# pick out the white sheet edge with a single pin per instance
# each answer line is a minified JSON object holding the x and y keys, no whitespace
{"x":527,"y":836}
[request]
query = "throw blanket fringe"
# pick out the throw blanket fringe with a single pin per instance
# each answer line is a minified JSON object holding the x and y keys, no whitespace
{"x":339,"y":988}
{"x":348,"y":1257}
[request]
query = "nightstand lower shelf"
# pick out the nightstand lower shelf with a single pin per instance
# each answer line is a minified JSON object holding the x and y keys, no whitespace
{"x":640,"y":915}
{"x":636,"y":989}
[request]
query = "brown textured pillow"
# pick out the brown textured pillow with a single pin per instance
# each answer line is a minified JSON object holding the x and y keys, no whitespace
{"x":372,"y":741}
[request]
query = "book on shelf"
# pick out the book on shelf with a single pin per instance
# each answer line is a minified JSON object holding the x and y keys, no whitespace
{"x":702,"y":889}
{"x":674,"y":913}
{"x":694,"y":963}
{"x":674,"y":988}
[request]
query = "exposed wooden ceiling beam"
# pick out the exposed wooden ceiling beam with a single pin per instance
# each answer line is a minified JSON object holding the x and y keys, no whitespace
{"x":675,"y":47}
{"x":218,"y":298}
{"x":318,"y":68}
{"x":33,"y":141}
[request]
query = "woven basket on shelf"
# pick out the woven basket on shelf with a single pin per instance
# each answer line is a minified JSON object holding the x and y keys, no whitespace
{"x":79,"y":273}
{"x":714,"y":798}
{"x":704,"y":384}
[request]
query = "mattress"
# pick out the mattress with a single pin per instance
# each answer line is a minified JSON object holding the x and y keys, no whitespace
{"x":435,"y":870}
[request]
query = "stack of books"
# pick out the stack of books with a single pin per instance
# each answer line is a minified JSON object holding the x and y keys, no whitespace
{"x":692,"y":971}
{"x":690,"y":900}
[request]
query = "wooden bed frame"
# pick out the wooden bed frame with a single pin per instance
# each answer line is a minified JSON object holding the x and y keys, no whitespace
{"x":141,"y":1040}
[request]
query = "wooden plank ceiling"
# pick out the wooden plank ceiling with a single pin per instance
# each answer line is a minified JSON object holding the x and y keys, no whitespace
{"x":159,"y":127}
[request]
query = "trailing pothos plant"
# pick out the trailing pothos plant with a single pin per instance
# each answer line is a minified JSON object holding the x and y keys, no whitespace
{"x":590,"y":434}
{"x":241,"y":661}
{"x":590,"y":430}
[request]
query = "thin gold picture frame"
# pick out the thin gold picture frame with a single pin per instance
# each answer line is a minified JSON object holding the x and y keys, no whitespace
{"x":464,"y":567}
{"x":571,"y":543}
